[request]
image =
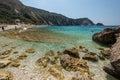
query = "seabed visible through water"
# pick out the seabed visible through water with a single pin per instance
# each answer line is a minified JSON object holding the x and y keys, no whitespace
{"x":44,"y":39}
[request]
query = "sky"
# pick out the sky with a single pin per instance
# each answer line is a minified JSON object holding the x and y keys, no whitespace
{"x":103,"y":11}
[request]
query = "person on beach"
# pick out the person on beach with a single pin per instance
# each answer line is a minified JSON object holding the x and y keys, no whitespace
{"x":15,"y":27}
{"x":3,"y":28}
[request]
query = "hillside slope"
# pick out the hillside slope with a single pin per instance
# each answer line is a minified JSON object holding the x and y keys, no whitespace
{"x":14,"y":9}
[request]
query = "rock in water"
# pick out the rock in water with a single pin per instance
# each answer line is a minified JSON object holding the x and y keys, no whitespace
{"x":50,"y":53}
{"x":72,"y":52}
{"x":73,"y":64}
{"x":81,"y":76}
{"x":32,"y":50}
{"x":6,"y":76}
{"x":56,"y":71}
{"x":4,"y":63}
{"x":43,"y":62}
{"x":107,"y":36}
{"x":90,"y":57}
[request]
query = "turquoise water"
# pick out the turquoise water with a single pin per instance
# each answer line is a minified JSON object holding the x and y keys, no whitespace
{"x":81,"y":35}
{"x":72,"y":35}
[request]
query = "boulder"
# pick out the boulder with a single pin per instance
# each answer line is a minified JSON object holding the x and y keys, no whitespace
{"x":73,"y":64}
{"x":72,"y":52}
{"x":90,"y":57}
{"x":4,"y":63}
{"x":107,"y":36}
{"x":6,"y":76}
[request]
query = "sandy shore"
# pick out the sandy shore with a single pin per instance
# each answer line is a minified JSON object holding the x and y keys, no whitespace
{"x":8,"y":27}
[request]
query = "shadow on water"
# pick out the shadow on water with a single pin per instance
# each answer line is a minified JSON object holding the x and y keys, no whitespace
{"x":109,"y":77}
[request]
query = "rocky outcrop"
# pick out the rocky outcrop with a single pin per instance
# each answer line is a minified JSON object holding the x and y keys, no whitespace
{"x":114,"y":67}
{"x":107,"y":36}
{"x":111,"y":36}
{"x":99,"y":24}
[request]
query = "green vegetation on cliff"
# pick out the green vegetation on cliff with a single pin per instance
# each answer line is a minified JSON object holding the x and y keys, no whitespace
{"x":14,"y":9}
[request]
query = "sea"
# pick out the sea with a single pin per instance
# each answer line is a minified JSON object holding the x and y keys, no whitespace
{"x":70,"y":36}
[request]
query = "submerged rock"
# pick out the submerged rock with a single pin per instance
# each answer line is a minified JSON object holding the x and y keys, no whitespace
{"x":4,"y":63}
{"x":101,"y":57}
{"x":5,"y":54}
{"x":54,"y":60}
{"x":56,"y":71}
{"x":15,"y":64}
{"x":81,"y":76}
{"x":72,"y":52}
{"x":43,"y":62}
{"x":22,"y":56}
{"x":73,"y":64}
{"x":6,"y":75}
{"x":90,"y":57}
{"x":50,"y":53}
{"x":15,"y":52}
{"x":105,"y":53}
{"x":31,"y":50}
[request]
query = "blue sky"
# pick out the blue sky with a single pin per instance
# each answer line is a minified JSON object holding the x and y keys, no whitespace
{"x":104,"y":11}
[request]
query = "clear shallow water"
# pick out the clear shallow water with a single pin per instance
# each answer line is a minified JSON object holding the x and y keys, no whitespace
{"x":79,"y":35}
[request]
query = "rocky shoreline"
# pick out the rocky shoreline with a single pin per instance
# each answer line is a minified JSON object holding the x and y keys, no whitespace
{"x":56,"y":64}
{"x":111,"y":36}
{"x":72,"y":63}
